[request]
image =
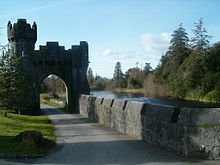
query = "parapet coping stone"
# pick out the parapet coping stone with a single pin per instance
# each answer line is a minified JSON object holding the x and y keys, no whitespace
{"x":108,"y":102}
{"x":120,"y":104}
{"x":135,"y":106}
{"x":87,"y":97}
{"x":82,"y":96}
{"x":99,"y":100}
{"x":92,"y":99}
{"x":200,"y":116}
{"x":163,"y":113}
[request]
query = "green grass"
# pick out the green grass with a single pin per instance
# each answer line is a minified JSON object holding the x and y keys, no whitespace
{"x":52,"y":104}
{"x":14,"y":124}
{"x":44,"y":100}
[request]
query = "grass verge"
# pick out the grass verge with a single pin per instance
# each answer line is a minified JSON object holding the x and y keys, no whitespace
{"x":44,"y":99}
{"x":61,"y":107}
{"x":14,"y":124}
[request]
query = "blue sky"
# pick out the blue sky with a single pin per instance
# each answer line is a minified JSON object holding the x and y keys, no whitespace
{"x":128,"y":31}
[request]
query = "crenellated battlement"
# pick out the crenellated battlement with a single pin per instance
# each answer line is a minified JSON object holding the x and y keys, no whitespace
{"x":52,"y":51}
{"x":22,"y":30}
{"x":51,"y":48}
{"x":22,"y":37}
{"x":70,"y":65}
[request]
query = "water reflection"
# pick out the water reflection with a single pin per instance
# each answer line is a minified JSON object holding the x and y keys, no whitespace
{"x":163,"y":101}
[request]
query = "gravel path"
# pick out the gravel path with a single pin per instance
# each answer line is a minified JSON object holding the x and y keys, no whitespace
{"x":81,"y":141}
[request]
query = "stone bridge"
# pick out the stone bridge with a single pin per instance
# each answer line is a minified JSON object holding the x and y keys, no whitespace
{"x":189,"y":132}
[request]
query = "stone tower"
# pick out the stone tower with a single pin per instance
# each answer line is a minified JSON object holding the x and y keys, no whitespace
{"x":22,"y":37}
{"x":70,"y":65}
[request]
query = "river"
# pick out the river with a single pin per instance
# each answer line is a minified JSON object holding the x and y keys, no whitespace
{"x":161,"y":101}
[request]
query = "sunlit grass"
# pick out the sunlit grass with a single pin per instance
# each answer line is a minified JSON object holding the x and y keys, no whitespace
{"x":44,"y":100}
{"x":14,"y":124}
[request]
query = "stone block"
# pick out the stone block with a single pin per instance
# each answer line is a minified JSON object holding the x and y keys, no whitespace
{"x":200,"y":116}
{"x":87,"y":97}
{"x":159,"y":112}
{"x":135,"y":107}
{"x":99,"y":100}
{"x":92,"y":99}
{"x":119,"y":104}
{"x":108,"y":102}
{"x":82,"y":96}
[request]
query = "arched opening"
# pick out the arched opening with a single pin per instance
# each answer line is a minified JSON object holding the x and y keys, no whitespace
{"x":54,"y":92}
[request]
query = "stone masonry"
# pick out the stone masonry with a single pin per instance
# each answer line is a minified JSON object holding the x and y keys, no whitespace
{"x":70,"y":65}
{"x":189,"y":132}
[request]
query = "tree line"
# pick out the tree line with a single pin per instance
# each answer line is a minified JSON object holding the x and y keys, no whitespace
{"x":190,"y":69}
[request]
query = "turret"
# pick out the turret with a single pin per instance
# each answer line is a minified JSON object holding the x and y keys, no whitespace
{"x":22,"y":37}
{"x":84,"y":53}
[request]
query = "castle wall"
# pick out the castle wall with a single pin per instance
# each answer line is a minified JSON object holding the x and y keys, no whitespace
{"x":70,"y":65}
{"x":22,"y":37}
{"x":189,"y":132}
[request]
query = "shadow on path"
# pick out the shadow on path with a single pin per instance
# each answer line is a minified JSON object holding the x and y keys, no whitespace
{"x":83,"y":142}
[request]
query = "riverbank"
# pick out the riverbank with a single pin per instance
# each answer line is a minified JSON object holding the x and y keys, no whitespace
{"x":141,"y":97}
{"x":126,"y":90}
{"x":150,"y":95}
{"x":142,"y":91}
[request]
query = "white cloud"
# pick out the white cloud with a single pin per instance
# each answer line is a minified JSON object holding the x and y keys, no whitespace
{"x":126,"y":54}
{"x":119,"y":54}
{"x":107,"y":52}
{"x":155,"y":43}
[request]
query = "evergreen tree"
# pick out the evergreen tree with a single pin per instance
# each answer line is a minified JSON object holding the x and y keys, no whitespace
{"x":174,"y":57}
{"x":200,"y":41}
{"x":117,"y":72}
{"x":118,"y":76}
{"x":5,"y":85}
{"x":147,"y":69}
{"x":90,"y":77}
{"x":179,"y":45}
{"x":14,"y":86}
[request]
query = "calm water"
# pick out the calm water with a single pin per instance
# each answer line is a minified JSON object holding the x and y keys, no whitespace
{"x":163,"y":101}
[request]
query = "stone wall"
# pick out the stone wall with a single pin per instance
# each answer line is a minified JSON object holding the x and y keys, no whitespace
{"x":59,"y":102}
{"x":189,"y":132}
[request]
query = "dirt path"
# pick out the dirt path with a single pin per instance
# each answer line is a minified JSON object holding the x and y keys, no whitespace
{"x":83,"y":142}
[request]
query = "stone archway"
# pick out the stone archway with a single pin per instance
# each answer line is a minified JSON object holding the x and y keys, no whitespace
{"x":70,"y":65}
{"x":54,"y":86}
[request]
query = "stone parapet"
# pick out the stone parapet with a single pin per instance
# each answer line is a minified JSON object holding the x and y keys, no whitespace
{"x":189,"y":132}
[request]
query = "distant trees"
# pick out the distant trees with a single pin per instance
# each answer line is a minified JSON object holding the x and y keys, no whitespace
{"x":134,"y":77}
{"x":54,"y":85}
{"x":90,"y":77}
{"x":200,"y":41}
{"x":147,"y":69}
{"x":176,"y":54}
{"x":97,"y":82}
{"x":118,"y":77}
{"x":117,"y":72}
{"x":191,"y":70}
